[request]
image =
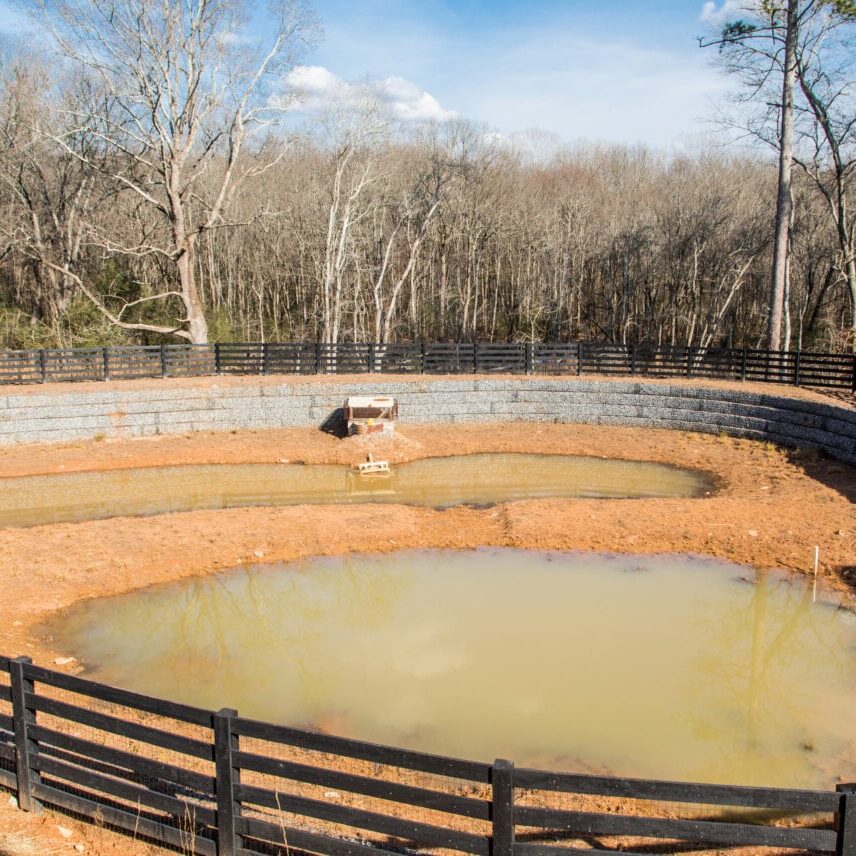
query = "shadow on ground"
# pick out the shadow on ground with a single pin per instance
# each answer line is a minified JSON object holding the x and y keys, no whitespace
{"x":335,"y":425}
{"x":836,"y":475}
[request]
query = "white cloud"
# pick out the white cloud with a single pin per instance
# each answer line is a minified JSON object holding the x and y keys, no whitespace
{"x":574,"y":69}
{"x":314,"y":88}
{"x":411,"y":103}
{"x":309,"y":81}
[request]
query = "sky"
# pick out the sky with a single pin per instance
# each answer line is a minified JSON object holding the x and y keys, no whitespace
{"x":613,"y":71}
{"x":618,"y":71}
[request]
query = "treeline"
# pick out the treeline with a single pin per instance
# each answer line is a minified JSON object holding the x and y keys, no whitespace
{"x":435,"y":243}
{"x":149,"y":192}
{"x":620,"y":245}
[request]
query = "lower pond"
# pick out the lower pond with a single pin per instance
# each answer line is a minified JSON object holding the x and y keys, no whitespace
{"x":657,"y":666}
{"x":439,"y":482}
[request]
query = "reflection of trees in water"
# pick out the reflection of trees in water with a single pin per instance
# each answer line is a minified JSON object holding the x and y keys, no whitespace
{"x":757,"y":668}
{"x":260,"y":638}
{"x":390,"y":646}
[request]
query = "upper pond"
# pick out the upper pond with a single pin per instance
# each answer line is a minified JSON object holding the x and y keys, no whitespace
{"x":439,"y":482}
{"x":663,"y":666}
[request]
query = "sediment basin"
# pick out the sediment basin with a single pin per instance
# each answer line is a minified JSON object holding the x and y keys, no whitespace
{"x":442,"y":482}
{"x":662,"y":666}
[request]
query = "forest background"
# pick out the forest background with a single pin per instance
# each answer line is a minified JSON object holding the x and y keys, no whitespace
{"x":156,"y":187}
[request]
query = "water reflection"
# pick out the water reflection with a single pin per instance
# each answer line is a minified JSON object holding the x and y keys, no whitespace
{"x":438,"y":482}
{"x":654,"y":666}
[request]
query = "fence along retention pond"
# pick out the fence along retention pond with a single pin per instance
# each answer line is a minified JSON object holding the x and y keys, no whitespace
{"x":672,"y":666}
{"x":479,"y":479}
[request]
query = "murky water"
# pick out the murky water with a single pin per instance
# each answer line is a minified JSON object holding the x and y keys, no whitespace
{"x":664,"y":666}
{"x":439,"y":482}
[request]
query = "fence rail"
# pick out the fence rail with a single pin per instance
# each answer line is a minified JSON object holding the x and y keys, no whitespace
{"x":801,"y":368}
{"x":218,"y":784}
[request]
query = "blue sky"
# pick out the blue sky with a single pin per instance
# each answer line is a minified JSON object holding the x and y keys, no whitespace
{"x":617,"y":71}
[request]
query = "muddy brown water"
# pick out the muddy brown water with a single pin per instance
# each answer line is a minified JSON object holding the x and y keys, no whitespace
{"x":480,"y":479}
{"x":658,"y":666}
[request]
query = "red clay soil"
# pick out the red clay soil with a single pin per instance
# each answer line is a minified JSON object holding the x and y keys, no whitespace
{"x":770,"y":509}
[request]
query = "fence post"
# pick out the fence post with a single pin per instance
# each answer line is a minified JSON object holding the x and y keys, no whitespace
{"x":216,"y":358}
{"x":476,"y":363}
{"x":579,"y":358}
{"x":105,"y":354}
{"x":422,"y":360}
{"x":689,"y":361}
{"x":317,"y":358}
{"x":743,"y":366}
{"x":163,"y":360}
{"x":530,"y":358}
{"x":264,"y":358}
{"x":502,"y":808}
{"x":797,"y":367}
{"x":853,"y":383}
{"x":633,"y":359}
{"x":371,"y":357}
{"x":23,"y":718}
{"x":846,"y":821}
{"x":43,"y":365}
{"x":227,"y":775}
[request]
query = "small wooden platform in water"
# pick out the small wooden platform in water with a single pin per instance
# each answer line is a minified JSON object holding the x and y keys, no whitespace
{"x":373,"y":468}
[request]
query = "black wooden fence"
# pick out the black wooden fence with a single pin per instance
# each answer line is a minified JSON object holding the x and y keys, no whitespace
{"x":217,"y":784}
{"x":801,"y":368}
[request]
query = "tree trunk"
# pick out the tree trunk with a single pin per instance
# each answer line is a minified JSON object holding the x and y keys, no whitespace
{"x":197,"y":326}
{"x":783,"y":196}
{"x":850,"y":272}
{"x":848,"y":251}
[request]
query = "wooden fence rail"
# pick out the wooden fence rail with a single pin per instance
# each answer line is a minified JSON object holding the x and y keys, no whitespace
{"x":801,"y":368}
{"x":218,"y":784}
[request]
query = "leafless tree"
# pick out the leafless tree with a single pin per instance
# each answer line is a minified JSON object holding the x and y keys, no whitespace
{"x":772,"y":47}
{"x":55,"y":193}
{"x":174,"y":92}
{"x":827,"y":132}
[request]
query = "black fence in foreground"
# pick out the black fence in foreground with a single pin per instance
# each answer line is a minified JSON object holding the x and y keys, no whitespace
{"x":801,"y":368}
{"x":215,"y":783}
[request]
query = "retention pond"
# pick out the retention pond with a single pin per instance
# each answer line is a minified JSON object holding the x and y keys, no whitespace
{"x":664,"y":666}
{"x":480,"y":479}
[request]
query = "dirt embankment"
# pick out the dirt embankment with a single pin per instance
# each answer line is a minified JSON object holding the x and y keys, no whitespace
{"x":770,"y":509}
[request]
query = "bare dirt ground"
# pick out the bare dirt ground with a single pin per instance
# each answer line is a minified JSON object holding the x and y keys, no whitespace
{"x":837,"y":396}
{"x":771,"y":507}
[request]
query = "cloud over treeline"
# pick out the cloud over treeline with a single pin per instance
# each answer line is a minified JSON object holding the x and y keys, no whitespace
{"x":314,"y":88}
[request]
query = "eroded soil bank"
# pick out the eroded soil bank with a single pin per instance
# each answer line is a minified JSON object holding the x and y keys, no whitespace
{"x":770,"y":509}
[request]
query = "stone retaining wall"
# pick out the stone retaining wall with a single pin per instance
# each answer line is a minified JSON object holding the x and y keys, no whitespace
{"x":148,"y":410}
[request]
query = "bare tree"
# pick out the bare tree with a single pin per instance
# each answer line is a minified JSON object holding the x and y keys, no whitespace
{"x":761,"y":46}
{"x":174,"y":91}
{"x":54,"y":192}
{"x":784,"y":192}
{"x":827,"y":131}
{"x":351,"y":131}
{"x":411,"y":217}
{"x":616,"y":244}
